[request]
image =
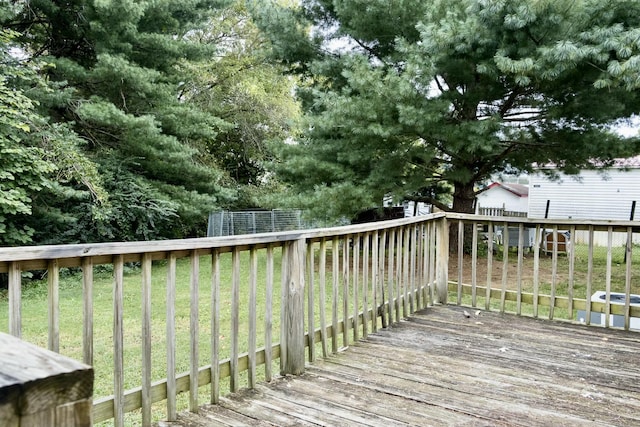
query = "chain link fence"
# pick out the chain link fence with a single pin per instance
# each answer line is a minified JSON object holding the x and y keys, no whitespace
{"x":228,"y":223}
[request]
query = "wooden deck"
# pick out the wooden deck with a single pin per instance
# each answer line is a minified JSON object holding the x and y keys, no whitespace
{"x":442,"y":368}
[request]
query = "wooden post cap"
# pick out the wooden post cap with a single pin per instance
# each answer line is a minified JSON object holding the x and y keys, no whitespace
{"x":34,"y":380}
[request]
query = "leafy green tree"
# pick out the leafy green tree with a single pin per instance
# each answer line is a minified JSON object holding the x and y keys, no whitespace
{"x":118,"y":69}
{"x":243,"y":87}
{"x":24,"y":169}
{"x":36,"y":157}
{"x":419,"y":99}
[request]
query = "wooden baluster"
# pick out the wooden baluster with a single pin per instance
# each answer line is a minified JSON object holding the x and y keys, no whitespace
{"x":335,"y":261}
{"x":87,"y":311}
{"x":345,"y":291}
{"x":519,"y":270}
{"x":487,"y":301}
{"x":268,"y":317}
{"x":442,"y":262}
{"x":365,"y":286}
{"x":311,"y":302}
{"x":375,"y":279}
{"x":194,"y":330}
{"x":536,"y":268}
{"x":607,"y":308}
{"x":146,"y":339}
{"x":171,"y":337}
{"x":460,"y":261}
{"x":253,"y":321}
{"x":398,"y":276}
{"x":474,"y":265}
{"x":627,"y":278}
{"x":356,"y":288}
{"x":589,"y":290}
{"x":53,"y":281}
{"x":390,"y":275}
{"x":234,"y":384}
{"x":381,"y":304}
{"x":323,"y":296}
{"x":293,"y":305}
{"x":406,"y":251}
{"x":15,"y":299}
{"x":571,"y":253}
{"x":118,"y":341}
{"x":505,"y":265}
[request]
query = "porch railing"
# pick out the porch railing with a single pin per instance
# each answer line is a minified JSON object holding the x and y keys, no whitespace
{"x":283,"y":299}
{"x":583,"y":271}
{"x":335,"y":286}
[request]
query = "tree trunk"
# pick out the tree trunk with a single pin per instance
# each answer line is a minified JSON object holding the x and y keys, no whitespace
{"x":464,"y":201}
{"x":464,"y":198}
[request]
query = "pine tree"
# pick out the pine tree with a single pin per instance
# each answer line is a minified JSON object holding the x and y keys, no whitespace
{"x":118,"y":67}
{"x":422,"y":99}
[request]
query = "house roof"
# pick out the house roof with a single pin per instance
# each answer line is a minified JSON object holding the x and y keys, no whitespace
{"x":631,"y":162}
{"x":519,"y":190}
{"x":621,"y":163}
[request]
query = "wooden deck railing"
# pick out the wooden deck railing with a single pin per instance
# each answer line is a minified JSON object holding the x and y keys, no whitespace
{"x":42,"y":388}
{"x":499,"y":211}
{"x":336,"y":285}
{"x":584,"y":271}
{"x":317,"y":290}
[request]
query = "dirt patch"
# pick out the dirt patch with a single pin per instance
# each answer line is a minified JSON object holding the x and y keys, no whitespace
{"x":546,"y":273}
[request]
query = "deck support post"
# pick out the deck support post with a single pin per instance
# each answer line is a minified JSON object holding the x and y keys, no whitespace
{"x":292,"y":328}
{"x":442,"y":262}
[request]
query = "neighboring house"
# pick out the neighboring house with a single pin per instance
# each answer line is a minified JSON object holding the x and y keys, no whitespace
{"x":606,"y":194}
{"x":412,"y":208}
{"x":502,"y":196}
{"x":610,"y":194}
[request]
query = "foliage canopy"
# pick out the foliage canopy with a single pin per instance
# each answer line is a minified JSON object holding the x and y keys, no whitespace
{"x":156,"y":113}
{"x":421,"y":100}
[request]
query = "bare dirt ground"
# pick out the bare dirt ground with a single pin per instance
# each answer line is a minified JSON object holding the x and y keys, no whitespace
{"x":546,"y":273}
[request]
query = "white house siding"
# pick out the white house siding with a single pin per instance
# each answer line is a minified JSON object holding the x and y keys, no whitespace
{"x":410,"y":209}
{"x":498,"y":197}
{"x":590,"y":195}
{"x":601,"y":238}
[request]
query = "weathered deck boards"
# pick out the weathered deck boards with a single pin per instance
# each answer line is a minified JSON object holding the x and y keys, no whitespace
{"x":441,"y":368}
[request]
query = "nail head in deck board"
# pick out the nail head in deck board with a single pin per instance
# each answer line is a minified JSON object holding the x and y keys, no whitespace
{"x":40,"y":387}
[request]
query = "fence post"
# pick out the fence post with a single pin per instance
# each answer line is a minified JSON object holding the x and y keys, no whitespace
{"x":292,"y":335}
{"x":442,"y":262}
